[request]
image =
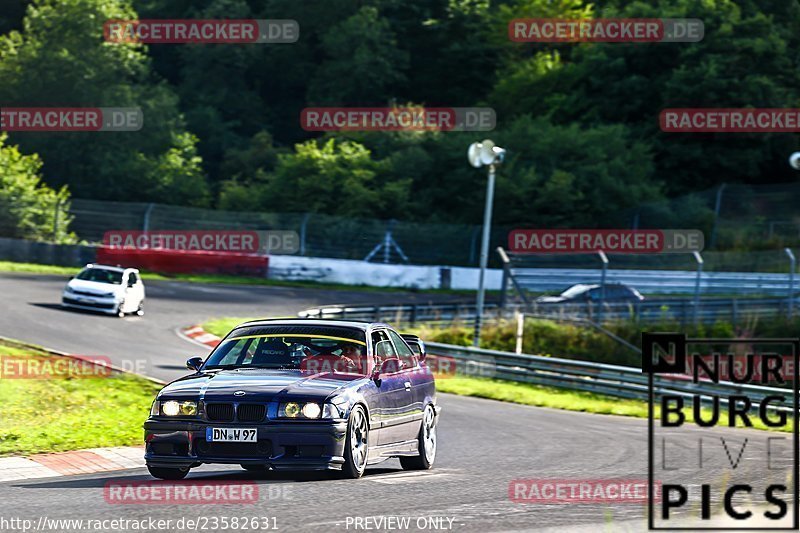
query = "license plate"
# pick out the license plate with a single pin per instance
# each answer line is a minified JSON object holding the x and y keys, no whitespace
{"x":231,"y":435}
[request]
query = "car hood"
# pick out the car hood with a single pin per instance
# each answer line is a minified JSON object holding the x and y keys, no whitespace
{"x":258,"y":385}
{"x":92,"y":286}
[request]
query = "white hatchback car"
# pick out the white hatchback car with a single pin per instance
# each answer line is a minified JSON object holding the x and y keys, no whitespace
{"x":108,"y":289}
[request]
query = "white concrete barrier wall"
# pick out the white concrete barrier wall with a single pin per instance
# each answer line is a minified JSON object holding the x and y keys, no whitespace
{"x":352,"y":272}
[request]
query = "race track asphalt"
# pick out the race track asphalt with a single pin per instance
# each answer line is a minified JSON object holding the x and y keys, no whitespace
{"x":483,"y":445}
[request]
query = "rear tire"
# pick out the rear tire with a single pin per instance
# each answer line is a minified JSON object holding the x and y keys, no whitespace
{"x":172,"y":474}
{"x":140,"y":309}
{"x":427,"y":443}
{"x":356,"y":444}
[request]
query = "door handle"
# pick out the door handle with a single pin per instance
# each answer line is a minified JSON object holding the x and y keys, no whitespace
{"x":407,"y":385}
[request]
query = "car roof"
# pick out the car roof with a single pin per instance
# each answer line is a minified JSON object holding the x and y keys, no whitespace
{"x":115,"y":268}
{"x":362,"y":325}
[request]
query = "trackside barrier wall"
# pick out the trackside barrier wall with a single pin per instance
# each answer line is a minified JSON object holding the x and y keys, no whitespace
{"x":186,"y":262}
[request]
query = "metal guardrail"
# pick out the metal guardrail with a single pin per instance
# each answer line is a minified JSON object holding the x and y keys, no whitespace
{"x":682,"y":310}
{"x":655,"y":281}
{"x":612,"y":380}
{"x":404,"y":315}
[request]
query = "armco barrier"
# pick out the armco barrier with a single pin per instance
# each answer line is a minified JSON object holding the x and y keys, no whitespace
{"x":612,"y":380}
{"x":185,"y":262}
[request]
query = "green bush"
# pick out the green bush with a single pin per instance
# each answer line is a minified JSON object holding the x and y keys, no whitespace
{"x":586,"y":343}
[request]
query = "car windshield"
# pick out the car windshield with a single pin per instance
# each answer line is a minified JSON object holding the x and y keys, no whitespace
{"x":575,"y":290}
{"x":307,"y":352}
{"x":101,"y":275}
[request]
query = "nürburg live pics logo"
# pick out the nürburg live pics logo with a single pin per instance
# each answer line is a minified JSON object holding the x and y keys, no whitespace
{"x":724,"y":450}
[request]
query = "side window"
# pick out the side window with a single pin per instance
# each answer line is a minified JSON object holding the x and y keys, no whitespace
{"x":403,"y":351}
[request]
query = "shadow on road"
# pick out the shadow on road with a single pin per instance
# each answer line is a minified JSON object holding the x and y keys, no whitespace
{"x":84,"y":482}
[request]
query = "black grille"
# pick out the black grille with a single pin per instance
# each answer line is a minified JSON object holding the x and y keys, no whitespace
{"x":220,"y":411}
{"x":94,"y":294}
{"x":250,"y":412}
{"x":72,"y":301}
{"x":262,"y":448}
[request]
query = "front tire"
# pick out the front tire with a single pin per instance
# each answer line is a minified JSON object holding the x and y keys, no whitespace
{"x":172,"y":474}
{"x":427,"y":444}
{"x":120,"y":313}
{"x":356,"y":445}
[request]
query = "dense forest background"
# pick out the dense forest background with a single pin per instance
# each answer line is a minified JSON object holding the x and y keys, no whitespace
{"x":222,"y":130}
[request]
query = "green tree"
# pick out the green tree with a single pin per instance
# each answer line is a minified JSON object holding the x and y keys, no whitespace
{"x":362,"y":62}
{"x":28,"y":208}
{"x":61,"y":59}
{"x":338,"y":178}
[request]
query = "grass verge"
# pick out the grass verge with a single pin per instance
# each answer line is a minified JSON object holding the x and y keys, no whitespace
{"x":65,"y":412}
{"x":222,"y":326}
{"x":33,"y":268}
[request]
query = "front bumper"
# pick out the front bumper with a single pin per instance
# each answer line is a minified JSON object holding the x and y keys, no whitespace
{"x":89,"y":303}
{"x":282,"y":445}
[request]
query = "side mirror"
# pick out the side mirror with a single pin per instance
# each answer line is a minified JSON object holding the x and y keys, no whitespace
{"x":194,"y":363}
{"x":389,"y":366}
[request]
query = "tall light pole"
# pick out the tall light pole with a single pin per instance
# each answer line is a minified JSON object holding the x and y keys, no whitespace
{"x":484,"y":154}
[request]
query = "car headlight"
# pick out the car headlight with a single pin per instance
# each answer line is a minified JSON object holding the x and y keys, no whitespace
{"x":154,"y":409}
{"x":174,"y":408}
{"x":310,"y":410}
{"x":69,"y":290}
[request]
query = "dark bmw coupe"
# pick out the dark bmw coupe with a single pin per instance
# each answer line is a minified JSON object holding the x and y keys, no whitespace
{"x":298,"y":394}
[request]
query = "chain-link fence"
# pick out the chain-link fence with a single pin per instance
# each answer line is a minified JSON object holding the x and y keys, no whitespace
{"x":320,"y":235}
{"x":745,"y":228}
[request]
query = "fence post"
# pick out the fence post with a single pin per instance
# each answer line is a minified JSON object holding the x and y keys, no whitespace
{"x":303,"y":234}
{"x":473,"y":244}
{"x":792,"y":265}
{"x":717,"y":206}
{"x":146,"y":221}
{"x":413,"y":314}
{"x":520,"y":330}
{"x":604,"y":259}
{"x":55,"y":219}
{"x":699,"y":260}
{"x":506,"y":273}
